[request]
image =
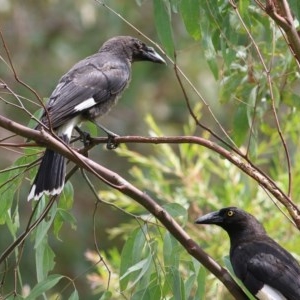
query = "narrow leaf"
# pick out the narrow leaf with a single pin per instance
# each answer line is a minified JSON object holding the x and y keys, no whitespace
{"x":127,"y":259}
{"x":209,"y":50}
{"x":106,"y":296}
{"x":143,"y":266}
{"x":201,"y":278}
{"x":191,"y":14}
{"x":171,"y":251}
{"x":230,"y":269}
{"x":240,"y":125}
{"x":162,"y":17}
{"x":178,"y":286}
{"x":188,"y":285}
{"x":44,"y":258}
{"x":44,"y":286}
{"x":44,"y":226}
{"x":74,"y":295}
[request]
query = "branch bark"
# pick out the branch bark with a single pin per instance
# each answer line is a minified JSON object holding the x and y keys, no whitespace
{"x":126,"y":188}
{"x":280,"y":12}
{"x":238,"y":161}
{"x":53,"y":143}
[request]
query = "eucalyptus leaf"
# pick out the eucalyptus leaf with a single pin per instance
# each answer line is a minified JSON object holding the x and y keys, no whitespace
{"x":162,"y":17}
{"x":44,"y":286}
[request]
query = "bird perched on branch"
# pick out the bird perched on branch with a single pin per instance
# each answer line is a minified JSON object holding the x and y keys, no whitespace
{"x":88,"y":90}
{"x":267,"y":270}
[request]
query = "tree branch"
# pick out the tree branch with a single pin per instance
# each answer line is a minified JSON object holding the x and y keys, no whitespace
{"x":280,"y":12}
{"x":119,"y":183}
{"x":53,"y":143}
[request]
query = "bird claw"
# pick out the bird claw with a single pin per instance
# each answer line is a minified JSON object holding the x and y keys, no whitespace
{"x":85,"y":138}
{"x":111,"y":143}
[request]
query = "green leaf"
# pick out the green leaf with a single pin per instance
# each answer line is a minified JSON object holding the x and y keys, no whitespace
{"x":44,"y":259}
{"x":66,"y":198}
{"x":142,"y":265}
{"x":276,"y":95}
{"x":152,"y":292}
{"x":162,"y":17}
{"x":209,"y":50}
{"x":44,"y":226}
{"x":177,"y":211}
{"x":44,"y":255}
{"x":243,"y":7}
{"x":126,"y":260}
{"x":238,"y":281}
{"x":74,"y":295}
{"x":240,"y":124}
{"x":38,"y":114}
{"x":188,"y":285}
{"x":63,"y":215}
{"x":171,"y":251}
{"x":295,"y":7}
{"x":190,"y":12}
{"x":139,"y":243}
{"x":178,"y":286}
{"x":14,"y":297}
{"x":92,"y":129}
{"x":10,"y":181}
{"x":106,"y":296}
{"x":201,"y":279}
{"x":229,"y":86}
{"x":44,"y":286}
{"x":131,"y":254}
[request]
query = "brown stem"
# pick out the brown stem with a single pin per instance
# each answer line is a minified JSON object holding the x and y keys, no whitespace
{"x":280,"y":12}
{"x":126,"y":188}
{"x":53,"y":143}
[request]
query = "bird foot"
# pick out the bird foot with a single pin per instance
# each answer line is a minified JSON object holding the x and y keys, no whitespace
{"x":85,"y":136}
{"x":111,"y":143}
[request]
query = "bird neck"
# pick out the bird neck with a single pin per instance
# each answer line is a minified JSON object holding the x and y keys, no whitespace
{"x":120,"y":51}
{"x":239,"y":233}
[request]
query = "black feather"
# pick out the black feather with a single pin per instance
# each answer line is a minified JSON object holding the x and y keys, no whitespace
{"x":51,"y":174}
{"x":257,"y":260}
{"x":88,"y":90}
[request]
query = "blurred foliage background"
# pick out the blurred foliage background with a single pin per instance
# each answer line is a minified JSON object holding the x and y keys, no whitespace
{"x":45,"y":38}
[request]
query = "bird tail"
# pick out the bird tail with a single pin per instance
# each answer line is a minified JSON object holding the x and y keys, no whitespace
{"x":50,"y":177}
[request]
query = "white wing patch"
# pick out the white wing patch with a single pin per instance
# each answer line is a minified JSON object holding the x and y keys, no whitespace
{"x":88,"y":103}
{"x":269,"y":293}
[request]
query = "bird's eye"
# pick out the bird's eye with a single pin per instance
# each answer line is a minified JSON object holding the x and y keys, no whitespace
{"x":230,"y":213}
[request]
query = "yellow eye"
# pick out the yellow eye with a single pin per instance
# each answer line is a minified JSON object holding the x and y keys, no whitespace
{"x":230,"y":213}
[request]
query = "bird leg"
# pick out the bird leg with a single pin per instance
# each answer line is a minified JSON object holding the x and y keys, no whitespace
{"x":111,"y":143}
{"x":84,"y":136}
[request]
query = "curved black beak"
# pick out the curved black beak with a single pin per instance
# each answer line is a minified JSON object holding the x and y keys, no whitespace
{"x":211,"y":218}
{"x":150,"y":54}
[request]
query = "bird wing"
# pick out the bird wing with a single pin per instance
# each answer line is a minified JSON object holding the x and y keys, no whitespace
{"x":268,"y":263}
{"x":87,"y":84}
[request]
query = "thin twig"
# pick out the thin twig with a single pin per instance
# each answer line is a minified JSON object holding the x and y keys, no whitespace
{"x":30,"y":227}
{"x":269,"y":80}
{"x":98,"y":201}
{"x":14,"y":70}
{"x":179,"y":71}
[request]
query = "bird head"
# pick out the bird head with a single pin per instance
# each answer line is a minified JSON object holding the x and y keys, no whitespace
{"x":133,"y":48}
{"x":232,"y":219}
{"x":142,"y":52}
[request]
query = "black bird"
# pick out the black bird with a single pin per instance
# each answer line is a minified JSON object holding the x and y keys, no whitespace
{"x":265,"y":268}
{"x":88,"y":90}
